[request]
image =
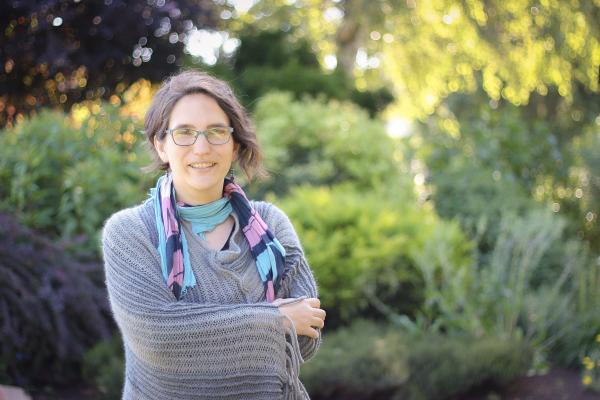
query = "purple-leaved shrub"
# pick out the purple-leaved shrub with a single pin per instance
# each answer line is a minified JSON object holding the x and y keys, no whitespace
{"x":52,"y":308}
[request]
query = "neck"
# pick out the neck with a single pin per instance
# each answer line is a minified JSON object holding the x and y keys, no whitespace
{"x":197,"y":198}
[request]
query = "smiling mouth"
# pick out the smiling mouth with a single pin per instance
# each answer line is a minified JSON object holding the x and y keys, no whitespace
{"x":202,"y":165}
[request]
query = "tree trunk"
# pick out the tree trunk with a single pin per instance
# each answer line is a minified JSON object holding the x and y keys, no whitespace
{"x":348,"y":36}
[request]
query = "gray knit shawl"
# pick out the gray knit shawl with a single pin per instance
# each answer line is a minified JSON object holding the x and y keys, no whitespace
{"x":222,"y":340}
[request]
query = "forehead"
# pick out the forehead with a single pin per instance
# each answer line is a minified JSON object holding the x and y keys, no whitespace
{"x":197,"y":109}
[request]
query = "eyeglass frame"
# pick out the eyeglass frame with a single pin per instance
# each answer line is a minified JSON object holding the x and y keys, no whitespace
{"x":199,"y":132}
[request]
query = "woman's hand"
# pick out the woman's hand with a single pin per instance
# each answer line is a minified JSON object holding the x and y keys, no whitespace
{"x":306,"y":316}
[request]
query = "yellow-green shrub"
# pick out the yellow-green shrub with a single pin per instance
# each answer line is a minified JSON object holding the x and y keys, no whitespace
{"x":318,"y":142}
{"x":64,"y":176}
{"x":363,"y":247}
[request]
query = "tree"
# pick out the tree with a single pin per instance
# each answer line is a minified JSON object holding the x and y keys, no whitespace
{"x":510,"y":85}
{"x":58,"y":52}
{"x":511,"y":49}
{"x":276,"y":60}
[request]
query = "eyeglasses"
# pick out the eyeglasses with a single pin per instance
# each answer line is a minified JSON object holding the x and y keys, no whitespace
{"x":188,"y":136}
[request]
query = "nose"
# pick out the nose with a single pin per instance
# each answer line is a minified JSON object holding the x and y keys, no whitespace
{"x":201,"y":146}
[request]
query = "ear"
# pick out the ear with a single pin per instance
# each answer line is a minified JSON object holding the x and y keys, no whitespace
{"x":160,"y":149}
{"x":236,"y":148}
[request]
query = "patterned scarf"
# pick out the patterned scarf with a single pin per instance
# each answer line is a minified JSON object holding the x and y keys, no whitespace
{"x":266,"y":250}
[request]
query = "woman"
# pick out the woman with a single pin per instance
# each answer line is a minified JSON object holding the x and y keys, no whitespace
{"x":211,"y":292}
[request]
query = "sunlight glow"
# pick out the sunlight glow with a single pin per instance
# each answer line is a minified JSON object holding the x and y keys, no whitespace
{"x":398,"y":127}
{"x":330,"y":61}
{"x":204,"y":44}
{"x":242,"y":6}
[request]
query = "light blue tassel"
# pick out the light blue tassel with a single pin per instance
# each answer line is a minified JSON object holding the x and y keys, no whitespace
{"x":266,"y":260}
{"x":189,"y":280}
{"x":160,"y":228}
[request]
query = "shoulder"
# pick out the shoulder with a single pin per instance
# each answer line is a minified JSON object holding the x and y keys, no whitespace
{"x":273,"y":216}
{"x":278,"y":222}
{"x":269,"y":212}
{"x":131,"y":222}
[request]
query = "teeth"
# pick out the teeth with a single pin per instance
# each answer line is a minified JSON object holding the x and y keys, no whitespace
{"x":202,"y":165}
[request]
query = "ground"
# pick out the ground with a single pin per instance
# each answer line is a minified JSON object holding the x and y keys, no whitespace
{"x":558,"y":384}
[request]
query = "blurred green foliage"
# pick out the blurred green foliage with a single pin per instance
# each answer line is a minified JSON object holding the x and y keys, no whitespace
{"x":575,"y":339}
{"x":497,"y":169}
{"x":359,"y":361}
{"x":272,"y":49}
{"x":269,"y":60}
{"x":512,"y":293}
{"x":65,"y":177}
{"x":591,"y":366}
{"x":579,"y":196}
{"x":368,"y":360}
{"x":484,"y":158}
{"x":482,"y":163}
{"x":319,"y":142}
{"x":512,"y":50}
{"x":104,"y":367}
{"x":442,"y":366}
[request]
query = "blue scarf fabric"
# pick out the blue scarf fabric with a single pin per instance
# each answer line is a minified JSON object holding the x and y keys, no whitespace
{"x":206,"y":217}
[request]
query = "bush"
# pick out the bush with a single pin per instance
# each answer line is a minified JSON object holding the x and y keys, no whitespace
{"x":581,"y":199}
{"x":358,"y":362}
{"x":583,"y":324}
{"x":445,"y":366}
{"x":259,"y":81}
{"x":591,"y":366}
{"x":64,"y":176}
{"x":367,"y":360}
{"x":53,"y":308}
{"x":577,"y":340}
{"x":316,"y":142}
{"x":552,"y":158}
{"x":493,"y":296}
{"x":363,"y":246}
{"x":510,"y":293}
{"x":478,"y":197}
{"x":104,"y":367}
{"x":491,"y":170}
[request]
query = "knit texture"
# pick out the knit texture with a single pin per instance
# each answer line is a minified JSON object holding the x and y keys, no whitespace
{"x":221,"y":340}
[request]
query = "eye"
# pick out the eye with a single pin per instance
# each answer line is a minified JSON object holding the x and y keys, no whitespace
{"x":183,"y":132}
{"x":218,"y":131}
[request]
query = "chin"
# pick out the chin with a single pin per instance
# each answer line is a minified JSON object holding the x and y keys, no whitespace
{"x":205,"y":184}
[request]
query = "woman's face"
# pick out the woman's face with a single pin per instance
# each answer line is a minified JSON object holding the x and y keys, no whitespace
{"x":198,"y":170}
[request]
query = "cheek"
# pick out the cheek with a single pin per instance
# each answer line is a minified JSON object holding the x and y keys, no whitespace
{"x":173,"y":156}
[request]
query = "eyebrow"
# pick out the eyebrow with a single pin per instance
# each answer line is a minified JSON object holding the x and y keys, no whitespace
{"x":193,"y":127}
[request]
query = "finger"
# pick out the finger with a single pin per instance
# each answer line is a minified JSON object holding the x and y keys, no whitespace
{"x":318,"y":323}
{"x":314,"y":302}
{"x":313,"y":333}
{"x":320,"y":313}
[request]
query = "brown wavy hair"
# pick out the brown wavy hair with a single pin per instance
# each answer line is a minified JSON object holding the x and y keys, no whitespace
{"x":156,"y":122}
